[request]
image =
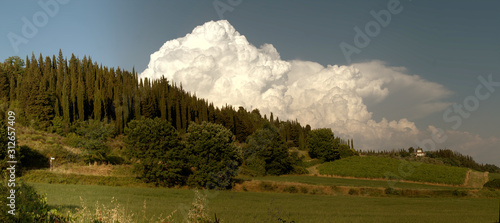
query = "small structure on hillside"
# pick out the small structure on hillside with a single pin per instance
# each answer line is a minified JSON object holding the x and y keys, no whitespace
{"x":420,"y":152}
{"x":51,"y":164}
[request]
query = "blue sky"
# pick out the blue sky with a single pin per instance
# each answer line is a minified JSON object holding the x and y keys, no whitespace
{"x":447,"y":42}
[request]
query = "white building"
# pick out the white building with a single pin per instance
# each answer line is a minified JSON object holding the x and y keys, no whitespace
{"x":420,"y":152}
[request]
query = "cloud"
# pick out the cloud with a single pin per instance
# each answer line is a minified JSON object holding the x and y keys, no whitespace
{"x":218,"y":63}
{"x":333,"y":96}
{"x":483,"y":150}
{"x":410,"y":95}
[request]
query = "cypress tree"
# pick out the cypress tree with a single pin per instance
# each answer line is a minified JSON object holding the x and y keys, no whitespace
{"x":97,"y":101}
{"x":56,"y":107}
{"x":66,"y":104}
{"x":73,"y":72}
{"x":137,"y":105}
{"x":178,"y":117}
{"x":4,"y":84}
{"x":118,"y":115}
{"x":163,"y":107}
{"x":81,"y":100}
{"x":61,"y":63}
{"x":126,"y":111}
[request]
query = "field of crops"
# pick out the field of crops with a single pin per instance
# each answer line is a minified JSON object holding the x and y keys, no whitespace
{"x":332,"y":181}
{"x":388,"y":168}
{"x":236,"y":207}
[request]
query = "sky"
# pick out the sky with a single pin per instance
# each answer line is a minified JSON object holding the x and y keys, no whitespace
{"x":400,"y":85}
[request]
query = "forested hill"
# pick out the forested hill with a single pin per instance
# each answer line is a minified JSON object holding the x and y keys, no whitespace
{"x":53,"y":93}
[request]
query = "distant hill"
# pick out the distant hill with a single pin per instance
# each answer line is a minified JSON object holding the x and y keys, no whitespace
{"x":394,"y":169}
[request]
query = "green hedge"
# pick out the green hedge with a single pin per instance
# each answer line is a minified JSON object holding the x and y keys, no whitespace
{"x":27,"y":204}
{"x":495,"y":184}
{"x":42,"y":176}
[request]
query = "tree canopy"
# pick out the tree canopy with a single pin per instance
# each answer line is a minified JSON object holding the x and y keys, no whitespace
{"x":212,"y":155}
{"x":323,"y":145}
{"x":265,"y":146}
{"x":159,"y":152}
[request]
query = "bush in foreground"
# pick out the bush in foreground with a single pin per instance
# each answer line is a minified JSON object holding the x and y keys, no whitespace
{"x":29,"y":206}
{"x":156,"y":146}
{"x":212,"y":156}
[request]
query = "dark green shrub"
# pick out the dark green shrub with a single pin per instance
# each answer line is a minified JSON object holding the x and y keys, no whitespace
{"x":353,"y":191}
{"x":115,"y":160}
{"x":29,"y":206}
{"x":291,"y":189}
{"x":459,"y":193}
{"x":323,"y":145}
{"x":345,"y":151}
{"x":254,"y":167}
{"x":391,"y":191}
{"x":212,"y":156}
{"x":57,"y":125}
{"x":267,"y":186}
{"x":155,"y":145}
{"x":494,"y":184}
{"x":267,"y":145}
{"x":91,"y":136}
{"x":304,"y":190}
{"x":299,"y":170}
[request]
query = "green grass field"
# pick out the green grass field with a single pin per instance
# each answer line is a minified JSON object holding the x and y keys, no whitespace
{"x":237,"y":207}
{"x":383,"y":167}
{"x":331,"y":181}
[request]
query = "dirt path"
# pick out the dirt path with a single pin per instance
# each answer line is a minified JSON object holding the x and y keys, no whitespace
{"x":475,"y":179}
{"x":313,"y":170}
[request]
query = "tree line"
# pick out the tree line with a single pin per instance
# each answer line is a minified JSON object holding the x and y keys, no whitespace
{"x":172,"y":136}
{"x":54,"y":93}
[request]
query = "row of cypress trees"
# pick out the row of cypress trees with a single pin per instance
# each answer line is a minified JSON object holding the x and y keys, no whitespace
{"x":50,"y":89}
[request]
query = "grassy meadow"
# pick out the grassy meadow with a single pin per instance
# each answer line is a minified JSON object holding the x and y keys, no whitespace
{"x":114,"y":188}
{"x":332,"y":181}
{"x":268,"y":207}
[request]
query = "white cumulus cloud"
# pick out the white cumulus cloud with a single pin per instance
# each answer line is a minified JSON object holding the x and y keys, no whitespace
{"x":218,"y":63}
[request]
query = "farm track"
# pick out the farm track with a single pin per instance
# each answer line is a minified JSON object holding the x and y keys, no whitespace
{"x":313,"y":170}
{"x":475,"y":179}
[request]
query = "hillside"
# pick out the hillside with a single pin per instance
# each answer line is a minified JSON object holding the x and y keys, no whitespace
{"x":105,"y":126}
{"x":394,"y":169}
